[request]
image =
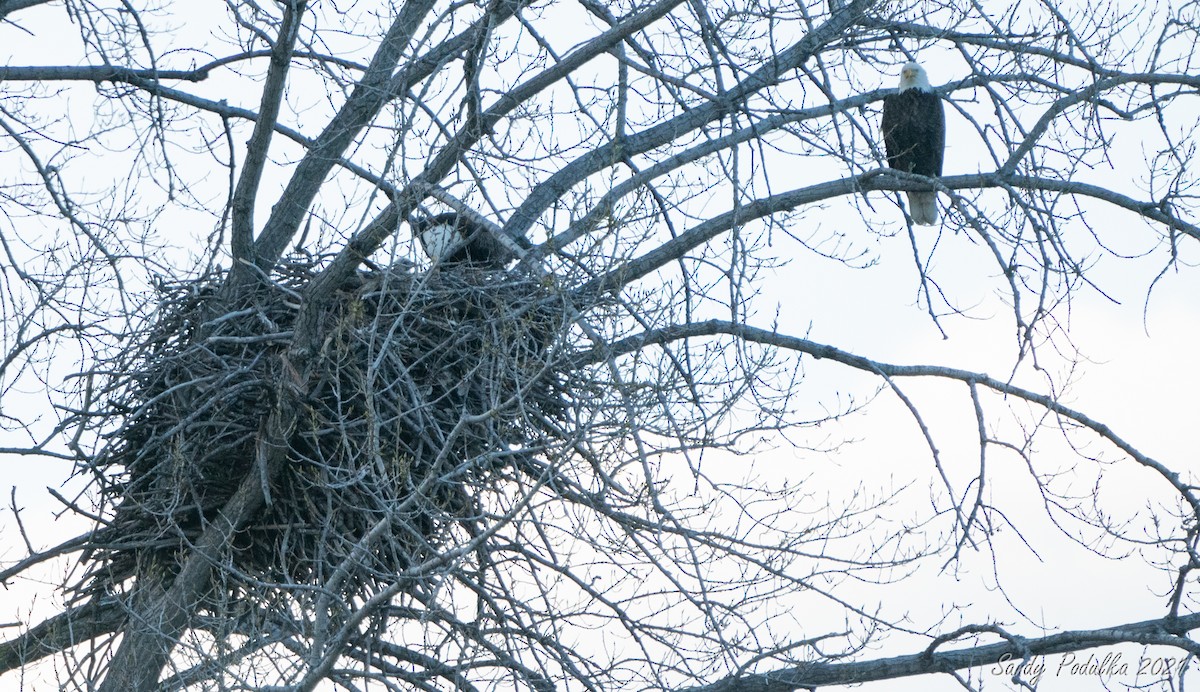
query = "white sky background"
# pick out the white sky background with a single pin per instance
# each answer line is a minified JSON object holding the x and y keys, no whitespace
{"x":1141,"y":380}
{"x":1137,"y":383}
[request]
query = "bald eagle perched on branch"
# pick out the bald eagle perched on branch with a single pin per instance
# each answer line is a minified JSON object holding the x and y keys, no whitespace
{"x":454,"y":239}
{"x":914,"y":132}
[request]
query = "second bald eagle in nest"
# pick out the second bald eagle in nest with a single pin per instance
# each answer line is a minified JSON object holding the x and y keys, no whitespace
{"x":453,"y":239}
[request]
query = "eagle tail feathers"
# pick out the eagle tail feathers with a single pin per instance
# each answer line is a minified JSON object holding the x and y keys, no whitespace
{"x":923,"y":207}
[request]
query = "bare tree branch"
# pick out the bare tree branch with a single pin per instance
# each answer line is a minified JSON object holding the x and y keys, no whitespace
{"x":7,"y":7}
{"x":369,"y":96}
{"x":242,"y":205}
{"x":1163,"y":631}
{"x":71,"y":627}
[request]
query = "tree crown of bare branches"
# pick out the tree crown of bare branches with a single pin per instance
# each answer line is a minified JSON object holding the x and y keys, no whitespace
{"x":308,"y":454}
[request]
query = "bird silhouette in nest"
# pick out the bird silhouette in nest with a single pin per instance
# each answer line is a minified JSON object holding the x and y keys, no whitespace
{"x":454,"y":239}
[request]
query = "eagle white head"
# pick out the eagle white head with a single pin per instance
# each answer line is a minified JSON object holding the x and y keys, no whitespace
{"x":912,"y":76}
{"x":439,"y":237}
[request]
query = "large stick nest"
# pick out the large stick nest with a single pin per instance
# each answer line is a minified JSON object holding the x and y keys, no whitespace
{"x":430,"y":385}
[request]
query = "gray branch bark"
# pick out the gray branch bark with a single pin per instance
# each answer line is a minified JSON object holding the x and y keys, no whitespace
{"x":61,"y":632}
{"x":242,"y":204}
{"x":544,"y":194}
{"x":818,"y":350}
{"x":1163,"y":631}
{"x":7,"y":7}
{"x":368,"y":97}
{"x":878,"y":180}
